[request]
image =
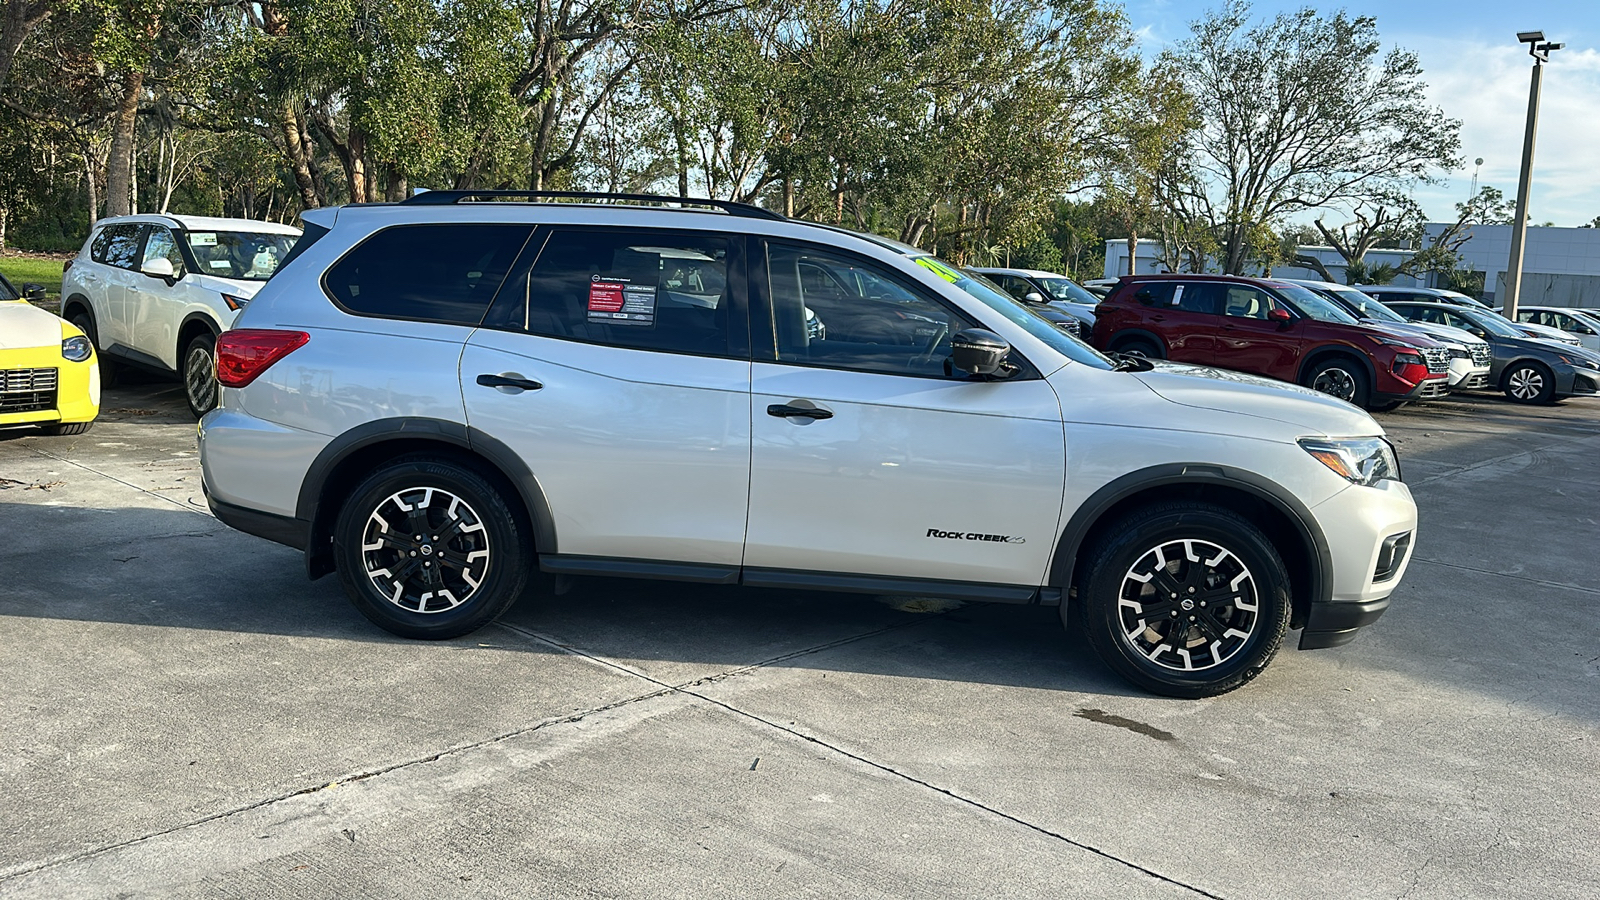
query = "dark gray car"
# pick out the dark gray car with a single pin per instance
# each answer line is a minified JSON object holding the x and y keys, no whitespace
{"x":1526,"y":369}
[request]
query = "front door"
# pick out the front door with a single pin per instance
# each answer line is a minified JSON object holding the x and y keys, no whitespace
{"x":615,"y":364}
{"x":868,"y":459}
{"x":1249,"y":341}
{"x":154,"y":307}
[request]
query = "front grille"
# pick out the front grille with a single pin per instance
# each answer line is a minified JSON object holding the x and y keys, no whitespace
{"x":1438,"y":359}
{"x":1479,"y":382}
{"x":1434,"y":389}
{"x":27,"y":390}
{"x":1482,"y":355}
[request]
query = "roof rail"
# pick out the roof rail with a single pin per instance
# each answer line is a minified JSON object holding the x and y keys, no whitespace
{"x":445,"y":198}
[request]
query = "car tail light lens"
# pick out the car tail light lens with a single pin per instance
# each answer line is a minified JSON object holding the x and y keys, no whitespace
{"x":244,"y":353}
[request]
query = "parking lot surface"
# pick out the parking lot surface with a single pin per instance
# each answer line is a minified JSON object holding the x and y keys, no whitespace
{"x":185,"y":715}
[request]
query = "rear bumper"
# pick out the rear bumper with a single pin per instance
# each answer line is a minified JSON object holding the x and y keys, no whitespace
{"x":279,"y":529}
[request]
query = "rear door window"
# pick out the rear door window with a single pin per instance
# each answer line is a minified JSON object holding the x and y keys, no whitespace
{"x":430,"y":273}
{"x":676,"y":292}
{"x":118,"y":245}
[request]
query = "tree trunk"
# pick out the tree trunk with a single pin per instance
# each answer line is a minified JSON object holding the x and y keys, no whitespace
{"x":396,"y":188}
{"x":5,"y":214}
{"x":1133,"y":251}
{"x":299,"y":160}
{"x":119,"y":163}
{"x":683,"y":158}
{"x":788,"y":197}
{"x":19,"y":20}
{"x":91,"y":171}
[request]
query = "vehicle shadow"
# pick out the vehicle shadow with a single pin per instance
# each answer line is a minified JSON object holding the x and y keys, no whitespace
{"x":155,"y":567}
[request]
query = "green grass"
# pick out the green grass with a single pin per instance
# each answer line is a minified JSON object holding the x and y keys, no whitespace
{"x":20,"y":269}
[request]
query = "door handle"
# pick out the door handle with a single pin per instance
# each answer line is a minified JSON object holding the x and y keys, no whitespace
{"x":1158,"y":318}
{"x":511,"y":383}
{"x":785,"y":411}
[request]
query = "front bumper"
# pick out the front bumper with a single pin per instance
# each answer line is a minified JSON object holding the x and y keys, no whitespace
{"x":1426,"y":389}
{"x":75,"y":396}
{"x":1363,"y":526}
{"x":1464,"y":376}
{"x":1585,"y":381}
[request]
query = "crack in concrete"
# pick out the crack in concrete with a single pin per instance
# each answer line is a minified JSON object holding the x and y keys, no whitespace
{"x":178,"y":503}
{"x":1539,"y":581}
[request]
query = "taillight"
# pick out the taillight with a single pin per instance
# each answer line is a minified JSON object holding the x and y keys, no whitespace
{"x":244,"y":353}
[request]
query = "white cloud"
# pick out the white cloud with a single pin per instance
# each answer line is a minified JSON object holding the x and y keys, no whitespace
{"x":1486,"y":87}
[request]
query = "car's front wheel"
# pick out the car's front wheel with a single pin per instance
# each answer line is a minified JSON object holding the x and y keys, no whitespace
{"x":1529,"y":382}
{"x":1183,"y":599}
{"x":428,"y":548}
{"x":200,"y":374}
{"x":1339,"y":377}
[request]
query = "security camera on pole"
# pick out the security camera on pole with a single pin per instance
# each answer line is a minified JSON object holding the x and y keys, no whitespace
{"x":1539,"y":49}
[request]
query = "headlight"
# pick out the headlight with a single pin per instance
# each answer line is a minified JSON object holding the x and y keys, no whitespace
{"x":1358,"y":460}
{"x":76,"y":349}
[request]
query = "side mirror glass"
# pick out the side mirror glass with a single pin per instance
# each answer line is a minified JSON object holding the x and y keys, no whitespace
{"x":160,"y":267}
{"x":978,"y":352}
{"x":1280,"y":315}
{"x":33,"y":291}
{"x":1034,"y":297}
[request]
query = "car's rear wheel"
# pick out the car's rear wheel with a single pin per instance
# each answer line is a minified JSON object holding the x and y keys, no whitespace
{"x":428,"y":548}
{"x":200,"y":374}
{"x":1141,"y":347}
{"x":1183,"y":599}
{"x":1339,"y":377}
{"x":1528,"y":382}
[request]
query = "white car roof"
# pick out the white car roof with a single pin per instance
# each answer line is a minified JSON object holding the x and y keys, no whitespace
{"x":206,"y":223}
{"x":999,"y":270}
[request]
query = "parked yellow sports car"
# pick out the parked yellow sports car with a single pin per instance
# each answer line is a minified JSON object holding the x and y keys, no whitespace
{"x":48,"y":372}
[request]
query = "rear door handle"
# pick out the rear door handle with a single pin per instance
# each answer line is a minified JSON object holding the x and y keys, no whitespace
{"x":509,"y":383}
{"x":785,"y":411}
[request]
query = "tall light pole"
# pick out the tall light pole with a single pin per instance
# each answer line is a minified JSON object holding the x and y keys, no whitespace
{"x":1539,"y":49}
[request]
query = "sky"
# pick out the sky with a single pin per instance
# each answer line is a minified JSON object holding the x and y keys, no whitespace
{"x":1478,"y":73}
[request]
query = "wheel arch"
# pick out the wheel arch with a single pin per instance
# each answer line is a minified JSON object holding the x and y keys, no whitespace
{"x":1125,"y":335}
{"x":1286,"y":522}
{"x":193,"y":325}
{"x":334,"y":473}
{"x":1320,"y":354}
{"x":76,"y":302}
{"x":1505,"y":371}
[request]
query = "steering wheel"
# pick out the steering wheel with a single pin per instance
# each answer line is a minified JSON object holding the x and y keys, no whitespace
{"x":933,"y":344}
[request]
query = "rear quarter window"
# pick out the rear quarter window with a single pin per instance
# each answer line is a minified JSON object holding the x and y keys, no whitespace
{"x":432,"y":273}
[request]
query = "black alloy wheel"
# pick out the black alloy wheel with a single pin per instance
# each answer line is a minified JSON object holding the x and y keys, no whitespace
{"x":1339,"y":377}
{"x":1528,"y":382}
{"x":1183,"y":599}
{"x":200,"y":374}
{"x":427,"y":548}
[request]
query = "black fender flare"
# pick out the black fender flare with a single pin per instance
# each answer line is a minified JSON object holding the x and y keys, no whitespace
{"x":1321,"y":353}
{"x":1091,"y":511}
{"x":418,"y":428}
{"x":81,"y":300}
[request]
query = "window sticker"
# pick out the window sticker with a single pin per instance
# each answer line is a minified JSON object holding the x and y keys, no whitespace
{"x":220,"y":264}
{"x":202,"y":239}
{"x":938,"y":268}
{"x":618,"y":301}
{"x":1177,"y":294}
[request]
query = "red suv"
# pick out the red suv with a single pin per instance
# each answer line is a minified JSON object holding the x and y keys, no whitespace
{"x":1270,"y":328}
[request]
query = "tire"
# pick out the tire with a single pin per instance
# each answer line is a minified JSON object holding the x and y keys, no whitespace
{"x":1528,"y":382}
{"x":108,"y":369}
{"x":68,"y":428}
{"x":1386,"y":407}
{"x":200,"y":374}
{"x":1226,"y":642}
{"x":1142,"y":347}
{"x":433,"y":601}
{"x":1342,"y":377}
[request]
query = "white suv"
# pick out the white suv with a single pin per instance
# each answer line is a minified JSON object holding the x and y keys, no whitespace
{"x":434,"y":398}
{"x":156,"y":290}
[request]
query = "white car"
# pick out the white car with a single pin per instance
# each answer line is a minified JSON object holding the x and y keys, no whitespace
{"x":1585,"y":326}
{"x":156,"y":290}
{"x":436,"y":397}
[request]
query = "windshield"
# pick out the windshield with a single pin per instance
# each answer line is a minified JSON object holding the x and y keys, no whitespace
{"x":1068,"y":290}
{"x":1365,"y":306}
{"x":244,"y":255}
{"x":1491,"y":322}
{"x":1313,"y":305}
{"x":1018,"y":313}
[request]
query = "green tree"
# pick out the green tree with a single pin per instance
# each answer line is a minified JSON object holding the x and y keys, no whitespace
{"x":1301,"y":112}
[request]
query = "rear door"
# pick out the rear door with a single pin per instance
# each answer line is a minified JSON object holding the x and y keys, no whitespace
{"x":616,"y":364}
{"x":1184,"y":315}
{"x":117,"y":258}
{"x":154,"y":306}
{"x":1249,"y":341}
{"x":869,"y":459}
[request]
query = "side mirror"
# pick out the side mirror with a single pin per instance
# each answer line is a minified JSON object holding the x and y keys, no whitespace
{"x":978,"y":352}
{"x":1280,"y":315}
{"x":1034,"y":297}
{"x":32,"y":291}
{"x":160,"y":267}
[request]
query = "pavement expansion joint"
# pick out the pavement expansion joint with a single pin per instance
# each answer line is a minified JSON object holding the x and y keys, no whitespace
{"x":687,"y":689}
{"x":1539,"y":581}
{"x":178,"y":503}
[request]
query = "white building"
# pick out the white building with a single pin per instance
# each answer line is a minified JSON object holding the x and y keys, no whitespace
{"x":1561,"y":266}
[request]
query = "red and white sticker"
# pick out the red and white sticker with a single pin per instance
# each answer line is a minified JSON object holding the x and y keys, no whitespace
{"x":606,"y":296}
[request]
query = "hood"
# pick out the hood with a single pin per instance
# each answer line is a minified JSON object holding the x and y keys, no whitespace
{"x":1398,"y":332}
{"x":23,"y":325}
{"x":1544,"y":331}
{"x":240,"y":288}
{"x":1077,"y":311}
{"x":1443,"y":333}
{"x":1203,"y":387}
{"x":1539,"y":345}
